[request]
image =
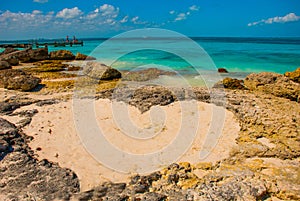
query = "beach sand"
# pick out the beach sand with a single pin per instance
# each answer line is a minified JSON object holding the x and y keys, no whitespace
{"x":56,"y":137}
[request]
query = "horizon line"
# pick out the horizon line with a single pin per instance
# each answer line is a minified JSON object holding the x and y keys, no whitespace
{"x":191,"y":37}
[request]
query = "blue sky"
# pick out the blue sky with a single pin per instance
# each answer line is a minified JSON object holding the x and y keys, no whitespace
{"x":26,"y":19}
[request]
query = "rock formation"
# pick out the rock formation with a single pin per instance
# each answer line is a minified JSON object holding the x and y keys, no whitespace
{"x":18,"y":80}
{"x":273,"y":83}
{"x":99,"y":71}
{"x":80,"y":56}
{"x":62,"y":55}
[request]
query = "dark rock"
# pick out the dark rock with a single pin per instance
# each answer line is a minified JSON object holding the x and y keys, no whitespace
{"x":173,"y":178}
{"x":8,"y":50}
{"x":24,"y":122}
{"x":28,"y":55}
{"x":38,"y":54}
{"x":294,"y":76}
{"x":144,"y":75}
{"x":135,"y":179}
{"x":8,"y":133}
{"x":4,"y":65}
{"x":80,"y":56}
{"x":18,"y":80}
{"x":272,"y":83}
{"x":25,"y":113}
{"x":230,"y":83}
{"x":23,"y":175}
{"x":3,"y":146}
{"x":152,"y":196}
{"x":49,"y":66}
{"x":99,"y":71}
{"x":116,"y":187}
{"x":13,"y":61}
{"x":74,"y":68}
{"x":6,"y":127}
{"x":62,"y":55}
{"x":153,"y":177}
{"x":222,"y":70}
{"x":47,"y":102}
{"x":106,"y":191}
{"x":143,"y":98}
{"x":146,"y":97}
{"x":140,"y":188}
{"x":9,"y":105}
{"x":10,"y":59}
{"x":254,"y":80}
{"x":19,"y":55}
{"x":116,"y":197}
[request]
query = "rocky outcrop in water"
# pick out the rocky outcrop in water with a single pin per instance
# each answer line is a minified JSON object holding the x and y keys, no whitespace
{"x":222,"y":70}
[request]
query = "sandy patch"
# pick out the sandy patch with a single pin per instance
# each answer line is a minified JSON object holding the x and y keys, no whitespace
{"x":56,"y":137}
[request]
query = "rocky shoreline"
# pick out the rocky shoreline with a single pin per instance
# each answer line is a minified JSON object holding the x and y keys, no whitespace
{"x":264,"y":165}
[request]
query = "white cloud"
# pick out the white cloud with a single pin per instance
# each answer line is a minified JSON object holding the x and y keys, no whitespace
{"x":108,"y":10}
{"x":69,"y":13}
{"x":134,"y":19}
{"x":291,"y":17}
{"x":40,"y":1}
{"x":180,"y":16}
{"x":92,"y":15}
{"x":125,"y":19}
{"x":194,"y":8}
{"x":36,"y":12}
{"x":183,"y":15}
{"x":19,"y":21}
{"x":36,"y":23}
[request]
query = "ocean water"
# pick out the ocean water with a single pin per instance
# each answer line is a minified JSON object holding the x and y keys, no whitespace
{"x":240,"y":56}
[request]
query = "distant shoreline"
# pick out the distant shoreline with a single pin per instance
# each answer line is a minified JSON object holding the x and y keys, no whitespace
{"x":205,"y":38}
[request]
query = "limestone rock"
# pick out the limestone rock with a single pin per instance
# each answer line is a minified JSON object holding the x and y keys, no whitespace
{"x":144,"y":75}
{"x":80,"y":56}
{"x":146,"y":97}
{"x":4,"y":65}
{"x":18,"y":80}
{"x":230,"y":83}
{"x":11,"y":59}
{"x":28,"y":55}
{"x":62,"y":55}
{"x":273,"y":83}
{"x":222,"y":70}
{"x":99,"y":71}
{"x":23,"y":175}
{"x":8,"y":50}
{"x":295,"y":75}
{"x":49,"y":66}
{"x":38,"y":54}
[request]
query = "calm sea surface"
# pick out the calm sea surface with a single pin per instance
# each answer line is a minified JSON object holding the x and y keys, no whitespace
{"x":240,"y":56}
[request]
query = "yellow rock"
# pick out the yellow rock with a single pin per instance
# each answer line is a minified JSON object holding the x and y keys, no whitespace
{"x":204,"y":166}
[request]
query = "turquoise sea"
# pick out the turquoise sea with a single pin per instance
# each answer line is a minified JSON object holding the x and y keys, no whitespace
{"x":240,"y":56}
